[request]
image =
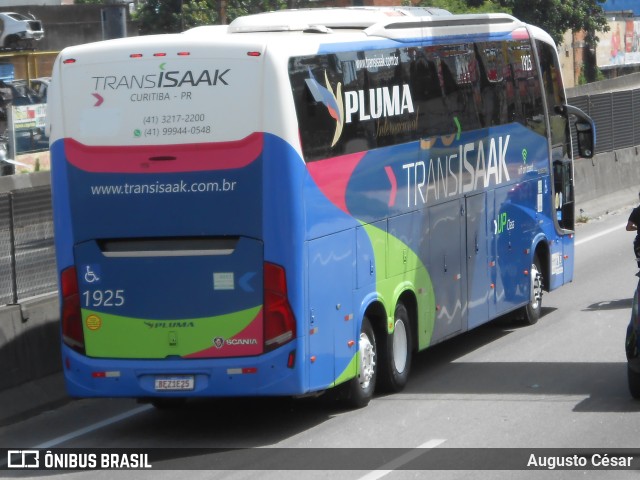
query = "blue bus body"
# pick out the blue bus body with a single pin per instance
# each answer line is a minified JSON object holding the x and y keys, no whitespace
{"x":377,"y":196}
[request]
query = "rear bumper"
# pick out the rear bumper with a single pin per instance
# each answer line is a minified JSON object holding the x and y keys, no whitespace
{"x":264,"y":375}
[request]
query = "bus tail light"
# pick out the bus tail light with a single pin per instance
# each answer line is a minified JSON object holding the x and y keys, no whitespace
{"x":72,"y":333}
{"x":279,"y":322}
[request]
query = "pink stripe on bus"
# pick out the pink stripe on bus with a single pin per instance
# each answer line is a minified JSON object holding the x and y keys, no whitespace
{"x":190,"y":157}
{"x":332,"y":176}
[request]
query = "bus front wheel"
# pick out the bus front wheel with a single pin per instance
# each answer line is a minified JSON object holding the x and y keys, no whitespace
{"x":395,"y":354}
{"x":533,"y":309}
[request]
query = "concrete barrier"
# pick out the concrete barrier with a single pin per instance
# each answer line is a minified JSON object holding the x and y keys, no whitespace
{"x":607,"y":182}
{"x":16,"y":182}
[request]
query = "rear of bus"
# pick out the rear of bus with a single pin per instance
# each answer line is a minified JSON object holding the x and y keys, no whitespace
{"x":157,"y":153}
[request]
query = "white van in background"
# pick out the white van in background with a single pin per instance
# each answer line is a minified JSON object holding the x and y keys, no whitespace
{"x":18,"y":32}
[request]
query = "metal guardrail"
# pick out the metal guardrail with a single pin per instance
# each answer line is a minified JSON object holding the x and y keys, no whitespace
{"x":27,"y":255}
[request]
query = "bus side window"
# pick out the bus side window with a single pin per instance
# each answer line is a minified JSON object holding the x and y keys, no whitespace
{"x":529,"y":107}
{"x":428,"y":95}
{"x":494,"y":85}
{"x":456,"y":72}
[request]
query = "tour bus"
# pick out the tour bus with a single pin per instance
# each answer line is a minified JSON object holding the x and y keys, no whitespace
{"x":296,"y":203}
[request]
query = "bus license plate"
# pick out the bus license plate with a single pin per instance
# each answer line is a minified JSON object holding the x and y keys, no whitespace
{"x":175,"y":383}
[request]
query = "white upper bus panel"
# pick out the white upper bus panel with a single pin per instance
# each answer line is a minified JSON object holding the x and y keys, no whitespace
{"x":455,"y":25}
{"x":393,"y":23}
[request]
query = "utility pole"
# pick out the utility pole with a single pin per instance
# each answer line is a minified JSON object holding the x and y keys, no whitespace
{"x":222,"y":11}
{"x":114,"y":20}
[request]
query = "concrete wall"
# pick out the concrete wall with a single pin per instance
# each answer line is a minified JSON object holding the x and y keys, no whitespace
{"x":29,"y":333}
{"x":611,"y":179}
{"x":607,"y":182}
{"x":626,"y":82}
{"x":15,"y":182}
{"x":29,"y":341}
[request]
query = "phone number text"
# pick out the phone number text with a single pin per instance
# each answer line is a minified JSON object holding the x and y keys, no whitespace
{"x":171,"y":119}
{"x":156,"y":132}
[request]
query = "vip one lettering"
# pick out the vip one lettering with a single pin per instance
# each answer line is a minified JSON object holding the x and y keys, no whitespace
{"x":457,"y":171}
{"x":381,"y":102}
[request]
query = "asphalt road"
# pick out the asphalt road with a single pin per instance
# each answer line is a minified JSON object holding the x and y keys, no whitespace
{"x":497,"y":393}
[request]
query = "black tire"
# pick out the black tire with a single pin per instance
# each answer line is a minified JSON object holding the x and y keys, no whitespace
{"x":357,"y":392}
{"x":633,"y":378}
{"x":395,"y":353}
{"x":533,"y":309}
{"x":11,"y":42}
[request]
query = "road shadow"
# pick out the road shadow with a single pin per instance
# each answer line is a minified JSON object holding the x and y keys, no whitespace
{"x":622,"y":304}
{"x":437,"y":371}
{"x":28,"y":352}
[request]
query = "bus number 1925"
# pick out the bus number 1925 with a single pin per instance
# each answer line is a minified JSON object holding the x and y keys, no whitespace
{"x":103,"y":298}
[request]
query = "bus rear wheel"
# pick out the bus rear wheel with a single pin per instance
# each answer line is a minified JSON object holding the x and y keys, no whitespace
{"x":359,"y":390}
{"x":395,"y":355}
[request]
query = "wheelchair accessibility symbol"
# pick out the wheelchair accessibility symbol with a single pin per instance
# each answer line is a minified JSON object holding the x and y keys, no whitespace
{"x":91,"y":274}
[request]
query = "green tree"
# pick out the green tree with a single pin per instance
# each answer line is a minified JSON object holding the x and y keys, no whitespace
{"x":196,"y":13}
{"x":559,"y":16}
{"x":159,"y":16}
{"x":554,"y":16}
{"x":170,"y":16}
{"x":238,"y":8}
{"x":469,"y":6}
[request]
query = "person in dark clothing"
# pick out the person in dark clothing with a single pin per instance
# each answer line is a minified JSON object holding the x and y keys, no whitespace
{"x":632,"y":226}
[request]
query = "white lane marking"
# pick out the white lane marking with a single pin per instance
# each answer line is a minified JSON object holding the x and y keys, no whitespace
{"x":387,"y":468}
{"x":598,"y":235}
{"x":95,"y":426}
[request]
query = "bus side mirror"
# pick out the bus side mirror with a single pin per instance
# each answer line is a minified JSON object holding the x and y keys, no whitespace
{"x":585,"y":128}
{"x":585,"y":139}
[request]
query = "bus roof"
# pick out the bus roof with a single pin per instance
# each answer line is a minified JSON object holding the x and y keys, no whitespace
{"x":395,"y":23}
{"x":347,"y":17}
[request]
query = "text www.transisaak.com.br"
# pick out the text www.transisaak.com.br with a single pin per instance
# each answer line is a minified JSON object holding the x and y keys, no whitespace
{"x":159,"y":188}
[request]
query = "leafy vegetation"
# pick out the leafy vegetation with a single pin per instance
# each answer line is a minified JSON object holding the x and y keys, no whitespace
{"x":554,"y":16}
